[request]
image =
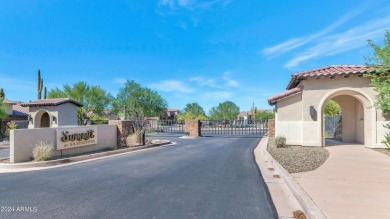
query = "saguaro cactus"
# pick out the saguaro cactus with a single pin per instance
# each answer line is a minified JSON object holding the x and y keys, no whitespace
{"x":40,"y":85}
{"x":2,"y":95}
{"x":45,"y":93}
{"x":253,"y":111}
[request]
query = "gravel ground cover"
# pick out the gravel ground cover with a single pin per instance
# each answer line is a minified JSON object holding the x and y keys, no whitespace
{"x":383,"y":151}
{"x":297,"y":159}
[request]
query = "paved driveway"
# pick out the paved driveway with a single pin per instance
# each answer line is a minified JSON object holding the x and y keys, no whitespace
{"x":353,"y":183}
{"x":196,"y":178}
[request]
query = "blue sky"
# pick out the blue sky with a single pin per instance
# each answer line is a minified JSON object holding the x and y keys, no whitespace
{"x":188,"y":50}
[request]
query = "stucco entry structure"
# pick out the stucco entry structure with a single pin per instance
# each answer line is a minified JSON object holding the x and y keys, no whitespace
{"x":48,"y":113}
{"x":300,"y":110}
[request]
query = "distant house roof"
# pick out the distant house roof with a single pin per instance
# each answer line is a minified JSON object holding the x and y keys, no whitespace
{"x":330,"y":72}
{"x":249,"y":113}
{"x":51,"y":102}
{"x":7,"y":101}
{"x":172,"y":110}
{"x":18,"y":110}
{"x":245,"y":113}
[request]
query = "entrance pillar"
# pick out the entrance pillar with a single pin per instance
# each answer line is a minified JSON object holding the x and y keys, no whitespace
{"x":193,"y":128}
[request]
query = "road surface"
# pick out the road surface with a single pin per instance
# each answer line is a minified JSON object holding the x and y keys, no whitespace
{"x":211,"y":177}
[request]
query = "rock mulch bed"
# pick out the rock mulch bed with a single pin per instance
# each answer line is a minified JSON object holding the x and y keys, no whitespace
{"x":383,"y":151}
{"x":297,"y":159}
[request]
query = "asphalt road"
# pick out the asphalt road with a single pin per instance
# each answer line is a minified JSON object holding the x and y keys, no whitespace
{"x":212,"y":177}
{"x":4,"y":153}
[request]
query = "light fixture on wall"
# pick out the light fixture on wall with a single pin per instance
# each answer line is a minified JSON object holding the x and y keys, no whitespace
{"x":54,"y":119}
{"x":30,"y":119}
{"x":312,"y":111}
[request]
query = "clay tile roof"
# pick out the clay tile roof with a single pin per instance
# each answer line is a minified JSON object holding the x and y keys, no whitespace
{"x":272,"y":100}
{"x":330,"y":72}
{"x":18,"y":110}
{"x":51,"y":102}
{"x":244,"y":113}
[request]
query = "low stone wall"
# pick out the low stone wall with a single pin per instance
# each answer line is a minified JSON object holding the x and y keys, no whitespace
{"x":124,"y":129}
{"x":22,"y":141}
{"x":192,"y":127}
{"x":271,"y":127}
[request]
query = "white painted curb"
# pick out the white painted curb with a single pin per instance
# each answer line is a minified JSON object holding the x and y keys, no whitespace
{"x":309,"y":207}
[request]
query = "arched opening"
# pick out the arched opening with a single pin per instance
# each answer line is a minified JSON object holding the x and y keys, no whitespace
{"x":333,"y":121}
{"x":358,"y":116}
{"x":347,"y":125}
{"x":42,"y":119}
{"x":45,"y":120}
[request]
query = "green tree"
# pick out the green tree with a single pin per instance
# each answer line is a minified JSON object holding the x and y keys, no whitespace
{"x":3,"y":111}
{"x":265,"y":115}
{"x":191,"y":116}
{"x":94,"y":99}
{"x":332,"y":108}
{"x":139,"y":101}
{"x":224,"y":111}
{"x":2,"y":95}
{"x":192,"y":111}
{"x":380,"y":79}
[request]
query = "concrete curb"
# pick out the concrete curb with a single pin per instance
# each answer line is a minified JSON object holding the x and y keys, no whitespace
{"x":188,"y":137}
{"x":76,"y":158}
{"x":303,"y":199}
{"x":4,"y":146}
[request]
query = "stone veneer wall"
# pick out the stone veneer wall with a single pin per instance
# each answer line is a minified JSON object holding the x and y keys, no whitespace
{"x":271,"y":128}
{"x":124,"y":129}
{"x":192,"y":127}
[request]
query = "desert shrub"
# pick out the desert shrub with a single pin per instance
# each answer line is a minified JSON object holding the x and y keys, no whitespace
{"x":280,"y":142}
{"x":299,"y":215}
{"x":10,"y":126}
{"x":131,"y":140}
{"x":387,"y":136}
{"x":42,"y":151}
{"x":137,"y":138}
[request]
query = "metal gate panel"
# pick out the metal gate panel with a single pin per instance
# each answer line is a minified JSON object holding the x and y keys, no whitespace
{"x":248,"y":127}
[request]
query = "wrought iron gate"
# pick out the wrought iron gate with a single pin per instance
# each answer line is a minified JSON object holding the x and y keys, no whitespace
{"x":331,"y":124}
{"x":165,"y":126}
{"x":234,"y":127}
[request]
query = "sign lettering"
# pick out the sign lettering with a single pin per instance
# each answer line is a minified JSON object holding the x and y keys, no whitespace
{"x":76,"y":137}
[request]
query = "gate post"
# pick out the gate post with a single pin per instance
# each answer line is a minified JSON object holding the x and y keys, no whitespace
{"x":271,"y":127}
{"x":192,"y":127}
{"x":124,"y":129}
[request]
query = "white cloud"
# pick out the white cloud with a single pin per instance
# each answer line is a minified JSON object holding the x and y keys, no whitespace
{"x":119,"y":80}
{"x":337,"y":43}
{"x":193,"y":4}
{"x":170,"y":3}
{"x":301,"y":41}
{"x":217,"y":95}
{"x":229,"y":82}
{"x":202,"y":81}
{"x":221,"y":82}
{"x":183,"y":25}
{"x":172,"y":86}
{"x":16,"y":83}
